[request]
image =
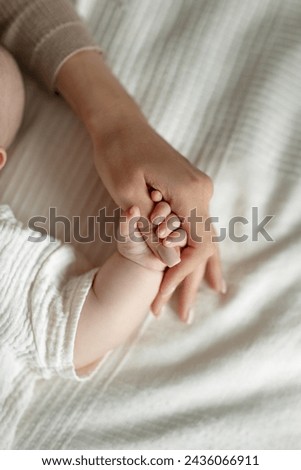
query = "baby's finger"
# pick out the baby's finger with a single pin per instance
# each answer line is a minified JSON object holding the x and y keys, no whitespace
{"x":171,"y":223}
{"x":128,"y":221}
{"x":176,"y":238}
{"x":156,"y":196}
{"x":168,"y":256}
{"x":161,"y":211}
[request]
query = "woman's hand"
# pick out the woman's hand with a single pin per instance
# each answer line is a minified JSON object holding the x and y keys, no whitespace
{"x":135,"y":159}
{"x":131,"y":158}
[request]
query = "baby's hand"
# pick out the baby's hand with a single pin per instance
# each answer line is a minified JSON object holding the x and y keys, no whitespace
{"x":167,"y":232}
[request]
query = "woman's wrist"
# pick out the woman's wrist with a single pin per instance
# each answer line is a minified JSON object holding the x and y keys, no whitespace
{"x":95,"y":95}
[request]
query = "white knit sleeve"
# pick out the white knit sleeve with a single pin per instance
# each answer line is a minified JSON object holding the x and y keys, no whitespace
{"x":41,"y":298}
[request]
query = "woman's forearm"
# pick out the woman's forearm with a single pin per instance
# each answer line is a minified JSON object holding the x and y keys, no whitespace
{"x":95,"y":94}
{"x":116,"y":305}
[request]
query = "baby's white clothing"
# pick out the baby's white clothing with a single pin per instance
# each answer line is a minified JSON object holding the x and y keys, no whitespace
{"x":43,"y":289}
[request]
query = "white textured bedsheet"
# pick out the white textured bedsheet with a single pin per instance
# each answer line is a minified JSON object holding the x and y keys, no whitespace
{"x":221,"y":81}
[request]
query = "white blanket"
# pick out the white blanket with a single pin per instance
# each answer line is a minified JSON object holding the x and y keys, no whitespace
{"x":220,"y":80}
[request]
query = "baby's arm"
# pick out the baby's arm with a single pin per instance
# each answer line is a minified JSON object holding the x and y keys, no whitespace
{"x":122,"y":292}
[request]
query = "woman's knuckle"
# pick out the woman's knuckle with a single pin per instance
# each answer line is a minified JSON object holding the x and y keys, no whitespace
{"x":201,"y":182}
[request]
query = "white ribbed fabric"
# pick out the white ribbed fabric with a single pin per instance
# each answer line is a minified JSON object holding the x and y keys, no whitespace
{"x":220,"y":80}
{"x":41,"y":300}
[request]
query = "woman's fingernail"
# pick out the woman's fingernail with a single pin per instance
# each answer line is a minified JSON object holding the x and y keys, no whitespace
{"x":162,"y":310}
{"x":155,"y":312}
{"x":159,"y":311}
{"x":157,"y":220}
{"x":190,"y":316}
{"x":223,"y":288}
{"x":161,"y":232}
{"x":156,"y":195}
